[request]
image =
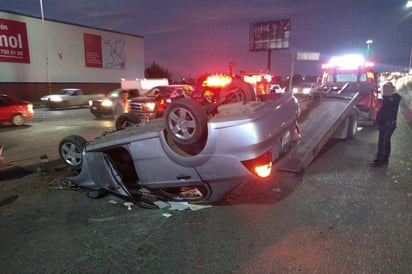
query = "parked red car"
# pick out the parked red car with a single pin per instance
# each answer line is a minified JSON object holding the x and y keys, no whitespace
{"x":14,"y":110}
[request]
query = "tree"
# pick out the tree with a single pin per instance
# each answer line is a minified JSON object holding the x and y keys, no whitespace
{"x":156,"y":71}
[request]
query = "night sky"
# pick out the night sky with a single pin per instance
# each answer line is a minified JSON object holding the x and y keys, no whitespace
{"x":192,"y":37}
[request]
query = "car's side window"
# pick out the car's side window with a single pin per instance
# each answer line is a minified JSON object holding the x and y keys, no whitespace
{"x":4,"y":101}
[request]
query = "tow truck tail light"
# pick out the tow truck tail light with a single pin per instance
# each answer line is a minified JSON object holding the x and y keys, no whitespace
{"x":260,"y":166}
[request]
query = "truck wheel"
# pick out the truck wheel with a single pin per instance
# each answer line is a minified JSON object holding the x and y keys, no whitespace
{"x":70,"y":150}
{"x":237,"y":91}
{"x":18,"y":120}
{"x":186,"y":122}
{"x":127,"y":120}
{"x":352,"y":126}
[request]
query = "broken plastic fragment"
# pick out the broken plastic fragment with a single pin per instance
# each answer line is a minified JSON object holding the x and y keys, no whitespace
{"x":195,"y":207}
{"x":128,"y":205}
{"x":161,"y":204}
{"x":178,"y":205}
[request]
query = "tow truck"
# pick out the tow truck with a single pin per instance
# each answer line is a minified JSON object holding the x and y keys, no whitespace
{"x":348,"y":95}
{"x":352,"y":74}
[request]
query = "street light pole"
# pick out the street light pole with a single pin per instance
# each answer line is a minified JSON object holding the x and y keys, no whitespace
{"x":409,"y":5}
{"x":45,"y":47}
{"x":368,"y":43}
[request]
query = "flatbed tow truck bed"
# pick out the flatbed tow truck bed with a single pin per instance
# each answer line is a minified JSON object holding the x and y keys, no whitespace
{"x":327,"y":117}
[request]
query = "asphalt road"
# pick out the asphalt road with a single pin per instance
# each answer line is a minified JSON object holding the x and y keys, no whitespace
{"x":339,"y":216}
{"x":38,"y":140}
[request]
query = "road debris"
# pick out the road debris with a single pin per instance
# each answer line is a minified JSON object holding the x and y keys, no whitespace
{"x":63,"y":184}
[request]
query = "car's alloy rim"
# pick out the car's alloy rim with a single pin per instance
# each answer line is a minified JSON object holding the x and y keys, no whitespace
{"x":19,"y":120}
{"x":71,"y":154}
{"x":182,"y":123}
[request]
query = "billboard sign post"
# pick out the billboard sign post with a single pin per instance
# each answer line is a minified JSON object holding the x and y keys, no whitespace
{"x":269,"y":35}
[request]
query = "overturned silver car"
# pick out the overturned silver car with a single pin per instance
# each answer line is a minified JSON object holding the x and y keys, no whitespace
{"x":191,"y":154}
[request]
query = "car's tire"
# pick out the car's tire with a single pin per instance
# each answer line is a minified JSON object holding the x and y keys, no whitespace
{"x":127,"y":120}
{"x":18,"y":120}
{"x":352,"y":126}
{"x":186,"y":121}
{"x":237,"y":91}
{"x":70,"y":151}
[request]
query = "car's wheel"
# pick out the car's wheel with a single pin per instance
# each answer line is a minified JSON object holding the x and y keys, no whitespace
{"x":127,"y":120}
{"x":70,"y":150}
{"x":186,"y":122}
{"x":237,"y":91}
{"x":18,"y":120}
{"x":352,"y":126}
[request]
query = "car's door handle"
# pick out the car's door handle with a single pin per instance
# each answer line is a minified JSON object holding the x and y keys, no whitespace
{"x":183,"y":177}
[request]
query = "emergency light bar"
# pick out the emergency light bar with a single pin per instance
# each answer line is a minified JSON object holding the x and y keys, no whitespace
{"x":349,"y":61}
{"x":217,"y":81}
{"x":256,"y":78}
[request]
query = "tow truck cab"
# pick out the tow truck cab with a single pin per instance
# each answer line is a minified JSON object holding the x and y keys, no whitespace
{"x":352,"y":74}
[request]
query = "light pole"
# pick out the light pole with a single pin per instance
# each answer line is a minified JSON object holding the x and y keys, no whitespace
{"x":409,"y":5}
{"x":368,"y":43}
{"x":45,"y":47}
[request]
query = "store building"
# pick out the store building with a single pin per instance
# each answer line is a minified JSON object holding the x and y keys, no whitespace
{"x":39,"y":57}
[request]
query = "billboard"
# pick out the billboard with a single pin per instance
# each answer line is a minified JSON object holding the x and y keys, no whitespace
{"x":14,"y":46}
{"x":104,"y":52}
{"x":269,"y":35}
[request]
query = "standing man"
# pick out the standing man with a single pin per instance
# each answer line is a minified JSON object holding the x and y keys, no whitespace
{"x":386,"y":122}
{"x":121,"y":104}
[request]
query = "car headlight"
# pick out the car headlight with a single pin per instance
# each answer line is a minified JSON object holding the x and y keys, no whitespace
{"x":107,"y":103}
{"x":150,"y":106}
{"x":294,"y":90}
{"x":306,"y":90}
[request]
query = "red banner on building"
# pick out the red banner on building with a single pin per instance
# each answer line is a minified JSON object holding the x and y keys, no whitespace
{"x":93,"y":50}
{"x":14,"y":45}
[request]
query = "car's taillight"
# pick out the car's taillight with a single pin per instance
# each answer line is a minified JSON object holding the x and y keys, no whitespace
{"x":260,"y":166}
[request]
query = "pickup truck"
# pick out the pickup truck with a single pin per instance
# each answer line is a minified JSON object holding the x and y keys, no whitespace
{"x":69,"y":97}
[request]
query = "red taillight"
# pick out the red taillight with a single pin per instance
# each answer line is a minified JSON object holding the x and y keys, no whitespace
{"x":260,"y":166}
